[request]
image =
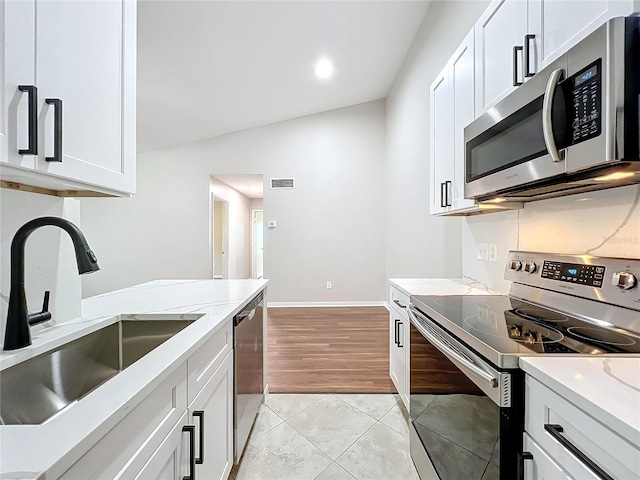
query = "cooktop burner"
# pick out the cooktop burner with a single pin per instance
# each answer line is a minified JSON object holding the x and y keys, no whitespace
{"x":541,"y":315}
{"x":608,"y":337}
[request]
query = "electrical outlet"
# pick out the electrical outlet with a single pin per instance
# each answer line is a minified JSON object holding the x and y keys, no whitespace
{"x":328,"y":284}
{"x":493,"y":252}
{"x":482,"y":251}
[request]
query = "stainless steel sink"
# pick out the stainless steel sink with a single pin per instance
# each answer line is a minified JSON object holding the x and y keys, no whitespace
{"x":33,"y":391}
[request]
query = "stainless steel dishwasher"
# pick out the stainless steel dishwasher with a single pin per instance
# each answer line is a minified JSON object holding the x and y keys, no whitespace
{"x":248,"y":364}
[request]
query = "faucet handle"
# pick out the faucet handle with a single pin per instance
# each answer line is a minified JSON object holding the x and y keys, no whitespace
{"x":45,"y":302}
{"x":44,"y":315}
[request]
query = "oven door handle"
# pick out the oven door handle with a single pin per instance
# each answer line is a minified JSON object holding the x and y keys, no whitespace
{"x":445,"y":349}
{"x":547,"y":122}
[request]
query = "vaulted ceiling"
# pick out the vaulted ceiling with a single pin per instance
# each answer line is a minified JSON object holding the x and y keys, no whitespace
{"x":206,"y":68}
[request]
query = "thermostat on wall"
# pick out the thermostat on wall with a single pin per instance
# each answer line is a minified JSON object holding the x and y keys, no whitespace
{"x":271,"y":224}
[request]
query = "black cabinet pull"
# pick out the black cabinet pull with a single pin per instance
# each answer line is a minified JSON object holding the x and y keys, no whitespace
{"x":32,"y":92}
{"x":556,"y":432}
{"x":57,"y":129}
{"x":397,"y":302}
{"x":191,"y":430}
{"x":521,"y":458}
{"x":442,"y":194}
{"x":200,"y":413}
{"x":395,"y":333}
{"x":447,"y":189}
{"x":399,"y":341}
{"x":516,"y":49}
{"x":527,"y":54}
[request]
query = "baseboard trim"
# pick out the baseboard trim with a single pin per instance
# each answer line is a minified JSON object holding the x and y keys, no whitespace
{"x":326,"y":304}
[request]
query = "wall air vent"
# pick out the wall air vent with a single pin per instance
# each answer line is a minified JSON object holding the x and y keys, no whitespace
{"x":282,"y":183}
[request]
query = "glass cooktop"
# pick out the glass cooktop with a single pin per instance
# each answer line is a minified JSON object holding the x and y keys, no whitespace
{"x":511,"y":326}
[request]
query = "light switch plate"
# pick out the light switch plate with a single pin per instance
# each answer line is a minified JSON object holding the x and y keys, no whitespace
{"x":493,"y":252}
{"x":482,"y":251}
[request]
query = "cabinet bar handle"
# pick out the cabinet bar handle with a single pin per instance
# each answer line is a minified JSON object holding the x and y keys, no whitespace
{"x":527,"y":54}
{"x":57,"y":130}
{"x":447,"y":189}
{"x":516,"y":49}
{"x":395,"y":339}
{"x":397,"y":302}
{"x":521,"y":458}
{"x":399,"y":336}
{"x":200,"y":413}
{"x":191,"y":430}
{"x":442,"y":202}
{"x":556,"y":432}
{"x":32,"y":92}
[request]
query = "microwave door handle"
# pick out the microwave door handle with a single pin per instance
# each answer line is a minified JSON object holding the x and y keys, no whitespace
{"x":547,"y":122}
{"x":440,"y":345}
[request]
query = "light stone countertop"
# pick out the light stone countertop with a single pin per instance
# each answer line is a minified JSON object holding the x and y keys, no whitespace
{"x":443,"y":286}
{"x":605,"y":387}
{"x":48,"y":450}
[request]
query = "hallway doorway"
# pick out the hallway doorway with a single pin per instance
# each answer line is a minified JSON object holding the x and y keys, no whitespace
{"x":257,"y":249}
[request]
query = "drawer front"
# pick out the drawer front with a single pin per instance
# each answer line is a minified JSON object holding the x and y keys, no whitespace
{"x":206,"y":360}
{"x":609,"y":451}
{"x":132,"y":441}
{"x":399,"y":300}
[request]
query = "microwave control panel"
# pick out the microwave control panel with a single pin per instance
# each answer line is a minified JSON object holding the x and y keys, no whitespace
{"x":585,"y":102}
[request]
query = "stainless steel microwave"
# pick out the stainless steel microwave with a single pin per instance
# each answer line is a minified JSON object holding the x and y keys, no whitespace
{"x":573,"y":127}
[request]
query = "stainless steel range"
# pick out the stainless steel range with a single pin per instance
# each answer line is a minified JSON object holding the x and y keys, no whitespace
{"x":466,"y":390}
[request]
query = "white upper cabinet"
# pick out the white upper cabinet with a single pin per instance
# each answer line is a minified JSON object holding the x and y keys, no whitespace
{"x":499,"y":51}
{"x":81,"y":56}
{"x":452,"y":109}
{"x":441,"y":141}
{"x":559,"y":24}
{"x":462,"y":87}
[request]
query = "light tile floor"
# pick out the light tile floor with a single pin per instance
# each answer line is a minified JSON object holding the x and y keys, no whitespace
{"x":328,"y":437}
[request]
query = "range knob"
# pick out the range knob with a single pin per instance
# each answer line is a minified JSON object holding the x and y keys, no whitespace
{"x":530,"y":267}
{"x":515,"y":265}
{"x":624,"y":280}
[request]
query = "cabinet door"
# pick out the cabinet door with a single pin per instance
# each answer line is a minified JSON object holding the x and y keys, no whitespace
{"x":85,"y":56}
{"x":541,"y":466}
{"x":441,"y":142}
{"x":463,"y":91}
{"x":17,"y":69}
{"x":560,"y":24}
{"x":212,"y":414}
{"x":395,"y":353}
{"x":406,"y":368}
{"x":500,"y":28}
{"x":171,"y":460}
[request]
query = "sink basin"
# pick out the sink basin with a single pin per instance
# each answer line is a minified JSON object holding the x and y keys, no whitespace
{"x":35,"y":390}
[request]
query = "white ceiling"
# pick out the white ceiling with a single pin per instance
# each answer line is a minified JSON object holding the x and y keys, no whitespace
{"x":206,"y":68}
{"x":249,"y":185}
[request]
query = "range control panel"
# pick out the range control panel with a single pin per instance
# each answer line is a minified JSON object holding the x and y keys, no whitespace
{"x":590,"y":275}
{"x":606,"y":279}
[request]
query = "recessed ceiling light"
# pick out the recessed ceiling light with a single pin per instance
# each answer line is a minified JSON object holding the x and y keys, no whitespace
{"x":324,"y":68}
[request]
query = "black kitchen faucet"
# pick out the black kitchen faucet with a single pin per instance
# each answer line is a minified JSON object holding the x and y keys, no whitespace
{"x":17,"y":333}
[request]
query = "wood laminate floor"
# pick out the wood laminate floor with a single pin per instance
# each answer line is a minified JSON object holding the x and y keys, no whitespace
{"x":327,"y":349}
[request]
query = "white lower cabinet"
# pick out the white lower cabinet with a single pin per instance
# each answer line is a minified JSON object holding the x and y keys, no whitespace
{"x":171,"y":460}
{"x":399,"y":343}
{"x":212,"y":414}
{"x":570,"y":443}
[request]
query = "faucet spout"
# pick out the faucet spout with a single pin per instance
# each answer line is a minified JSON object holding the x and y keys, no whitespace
{"x":17,"y":333}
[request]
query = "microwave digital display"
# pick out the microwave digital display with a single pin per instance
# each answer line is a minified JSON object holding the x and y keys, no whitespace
{"x":586,"y":75}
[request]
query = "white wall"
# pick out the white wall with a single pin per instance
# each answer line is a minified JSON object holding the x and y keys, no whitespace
{"x":420,"y":245}
{"x":50,"y":262}
{"x":330,"y":227}
{"x":239,"y":228}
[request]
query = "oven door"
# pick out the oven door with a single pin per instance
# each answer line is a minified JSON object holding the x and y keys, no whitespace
{"x":461,"y":407}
